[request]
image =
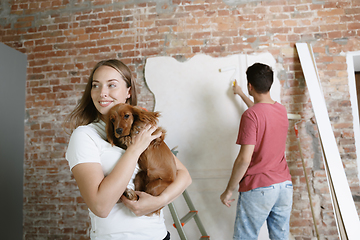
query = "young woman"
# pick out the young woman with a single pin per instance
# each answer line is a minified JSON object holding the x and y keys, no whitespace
{"x":103,"y":172}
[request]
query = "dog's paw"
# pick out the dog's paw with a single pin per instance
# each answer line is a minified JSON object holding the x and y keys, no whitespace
{"x":130,"y":194}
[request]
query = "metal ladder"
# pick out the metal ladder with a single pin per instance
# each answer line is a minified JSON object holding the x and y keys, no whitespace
{"x":193,"y":213}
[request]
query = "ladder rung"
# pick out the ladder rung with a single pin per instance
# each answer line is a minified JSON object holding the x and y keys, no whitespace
{"x":187,"y":217}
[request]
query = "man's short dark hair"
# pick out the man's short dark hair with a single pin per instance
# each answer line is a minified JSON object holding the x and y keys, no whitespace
{"x":260,"y":76}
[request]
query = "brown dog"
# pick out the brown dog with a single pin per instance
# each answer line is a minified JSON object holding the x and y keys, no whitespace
{"x":156,"y":163}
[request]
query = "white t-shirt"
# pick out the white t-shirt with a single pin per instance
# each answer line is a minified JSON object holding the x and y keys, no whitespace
{"x":88,"y":144}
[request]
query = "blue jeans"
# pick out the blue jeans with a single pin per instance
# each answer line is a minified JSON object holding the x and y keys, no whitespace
{"x":271,"y":203}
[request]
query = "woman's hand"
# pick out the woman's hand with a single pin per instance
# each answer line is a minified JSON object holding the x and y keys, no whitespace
{"x":146,"y":203}
{"x":101,"y":193}
{"x":142,"y":140}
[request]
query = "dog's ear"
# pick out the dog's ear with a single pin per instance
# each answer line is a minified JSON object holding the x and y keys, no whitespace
{"x":110,"y":128}
{"x":145,"y":116}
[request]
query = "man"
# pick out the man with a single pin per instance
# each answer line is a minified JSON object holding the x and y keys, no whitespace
{"x":260,"y":169}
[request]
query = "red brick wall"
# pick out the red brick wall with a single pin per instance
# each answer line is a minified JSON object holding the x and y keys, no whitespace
{"x":63,"y":39}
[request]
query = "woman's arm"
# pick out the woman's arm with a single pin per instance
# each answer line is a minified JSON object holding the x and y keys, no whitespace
{"x":101,"y":193}
{"x":148,"y":203}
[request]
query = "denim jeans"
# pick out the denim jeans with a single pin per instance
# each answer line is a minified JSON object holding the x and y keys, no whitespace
{"x":271,"y":203}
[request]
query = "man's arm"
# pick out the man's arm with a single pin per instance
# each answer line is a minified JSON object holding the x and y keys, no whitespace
{"x":241,"y":164}
{"x":237,"y":90}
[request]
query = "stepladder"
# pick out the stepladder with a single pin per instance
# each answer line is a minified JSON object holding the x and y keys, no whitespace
{"x":192,"y":214}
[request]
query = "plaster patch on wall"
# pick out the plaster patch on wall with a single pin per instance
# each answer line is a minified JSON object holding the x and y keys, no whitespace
{"x":317,"y":159}
{"x":72,"y":6}
{"x":341,"y":41}
{"x":4,"y":8}
{"x":255,"y":44}
{"x":318,"y":2}
{"x":164,"y":6}
{"x":238,"y":2}
{"x":301,"y":81}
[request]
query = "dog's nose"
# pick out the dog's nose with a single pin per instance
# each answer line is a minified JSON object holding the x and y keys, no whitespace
{"x":119,"y":130}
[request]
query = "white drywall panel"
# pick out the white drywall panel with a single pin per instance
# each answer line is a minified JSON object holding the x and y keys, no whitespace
{"x":202,"y":115}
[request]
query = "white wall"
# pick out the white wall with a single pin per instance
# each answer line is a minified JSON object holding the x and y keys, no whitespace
{"x":202,"y":116}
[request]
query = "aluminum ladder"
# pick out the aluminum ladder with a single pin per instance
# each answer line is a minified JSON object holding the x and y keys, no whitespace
{"x":193,"y":213}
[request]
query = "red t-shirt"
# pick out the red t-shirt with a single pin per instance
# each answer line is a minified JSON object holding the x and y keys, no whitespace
{"x":265,"y":126}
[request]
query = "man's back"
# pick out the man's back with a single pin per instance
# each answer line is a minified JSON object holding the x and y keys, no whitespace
{"x":265,"y":126}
